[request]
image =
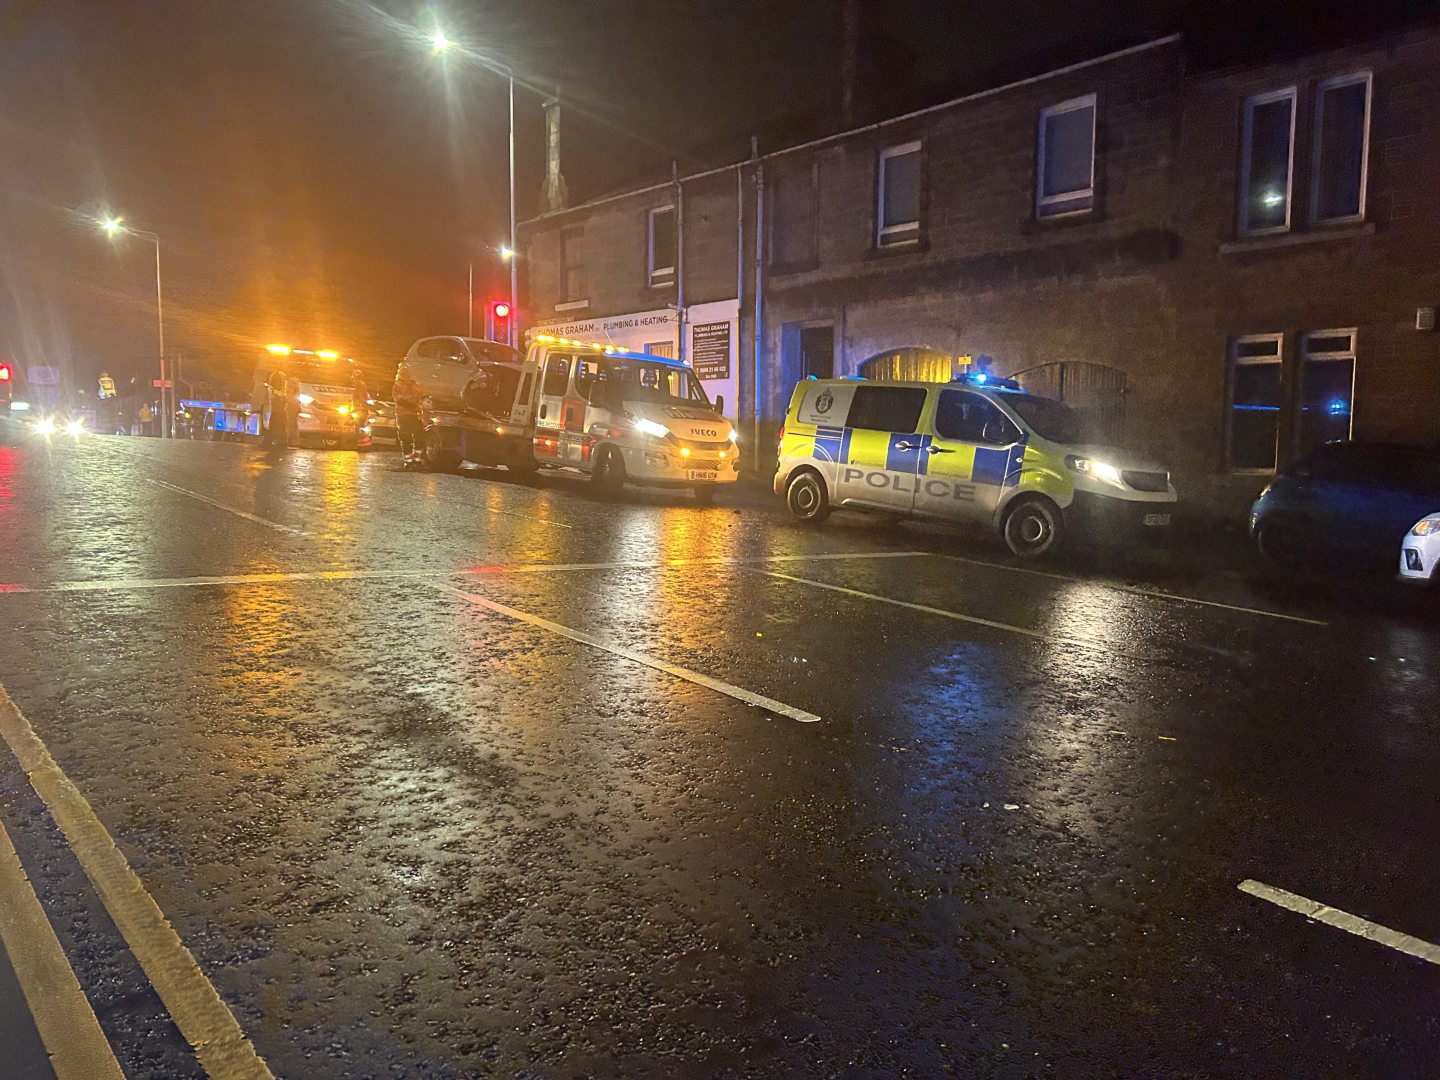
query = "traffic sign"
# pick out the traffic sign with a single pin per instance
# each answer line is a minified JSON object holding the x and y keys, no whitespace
{"x":162,"y":384}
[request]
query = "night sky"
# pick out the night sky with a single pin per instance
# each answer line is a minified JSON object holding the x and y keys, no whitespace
{"x":317,"y":177}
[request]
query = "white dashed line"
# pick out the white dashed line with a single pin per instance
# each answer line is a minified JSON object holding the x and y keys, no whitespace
{"x":1136,"y":590}
{"x":228,"y":509}
{"x":1343,"y":920}
{"x":718,"y":685}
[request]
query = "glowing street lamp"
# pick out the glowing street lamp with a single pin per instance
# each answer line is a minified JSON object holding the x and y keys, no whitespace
{"x":440,"y":45}
{"x":114,"y":227}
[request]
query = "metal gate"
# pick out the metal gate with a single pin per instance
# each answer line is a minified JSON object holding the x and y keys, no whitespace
{"x":1094,"y":390}
{"x":916,"y":364}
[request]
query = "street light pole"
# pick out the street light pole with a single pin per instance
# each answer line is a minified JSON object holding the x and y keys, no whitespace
{"x":514,"y":270}
{"x":112,"y":226}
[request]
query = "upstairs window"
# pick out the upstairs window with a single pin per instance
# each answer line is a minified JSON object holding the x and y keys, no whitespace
{"x":572,"y":264}
{"x":1065,"y":158}
{"x":897,"y":212}
{"x":792,"y":229}
{"x":1342,"y":140}
{"x":660,"y":245}
{"x":1267,"y":162}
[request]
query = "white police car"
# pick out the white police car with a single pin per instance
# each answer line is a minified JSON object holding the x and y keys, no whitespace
{"x":1420,"y":550}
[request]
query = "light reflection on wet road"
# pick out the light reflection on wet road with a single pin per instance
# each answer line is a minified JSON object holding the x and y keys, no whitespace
{"x":402,"y":833}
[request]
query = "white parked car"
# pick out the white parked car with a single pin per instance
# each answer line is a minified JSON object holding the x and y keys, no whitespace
{"x":444,"y":366}
{"x":1420,"y":550}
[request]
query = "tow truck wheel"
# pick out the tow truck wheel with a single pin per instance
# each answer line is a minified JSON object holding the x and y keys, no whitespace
{"x":705,"y":494}
{"x":438,"y":456}
{"x":1033,"y":527}
{"x":608,"y":472}
{"x":807,"y":498}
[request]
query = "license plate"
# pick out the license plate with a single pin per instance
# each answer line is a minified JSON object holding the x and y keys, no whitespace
{"x":702,"y":474}
{"x":1157,"y":519}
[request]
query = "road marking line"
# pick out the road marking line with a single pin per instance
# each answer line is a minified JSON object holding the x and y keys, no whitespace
{"x":718,"y":685}
{"x":195,"y":1006}
{"x":1011,"y":628}
{"x":1343,"y":920}
{"x":228,"y":509}
{"x":279,"y":577}
{"x":1136,"y":590}
{"x":78,"y":1048}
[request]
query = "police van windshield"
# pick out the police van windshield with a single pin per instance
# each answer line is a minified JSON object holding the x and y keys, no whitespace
{"x":1050,"y":419}
{"x":637,"y":380}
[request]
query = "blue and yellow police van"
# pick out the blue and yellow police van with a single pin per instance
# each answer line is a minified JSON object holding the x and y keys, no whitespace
{"x":978,"y":449}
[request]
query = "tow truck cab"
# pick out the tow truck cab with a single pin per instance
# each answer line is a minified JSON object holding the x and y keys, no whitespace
{"x":303,"y":396}
{"x":627,"y":417}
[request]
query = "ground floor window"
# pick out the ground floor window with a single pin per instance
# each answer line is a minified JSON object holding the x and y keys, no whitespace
{"x":1326,"y":390}
{"x":1253,"y":436}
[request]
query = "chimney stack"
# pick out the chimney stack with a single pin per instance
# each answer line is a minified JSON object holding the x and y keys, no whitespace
{"x":552,"y":191}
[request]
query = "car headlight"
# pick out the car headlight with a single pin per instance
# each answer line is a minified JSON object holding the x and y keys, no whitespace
{"x":651,"y":428}
{"x":343,"y":410}
{"x":1427,"y":526}
{"x":1101,"y":470}
{"x":45,"y":427}
{"x":75,"y":427}
{"x":304,"y":399}
{"x":734,"y":435}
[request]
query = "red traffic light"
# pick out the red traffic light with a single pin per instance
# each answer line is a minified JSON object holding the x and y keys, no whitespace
{"x":5,"y":373}
{"x":500,"y":309}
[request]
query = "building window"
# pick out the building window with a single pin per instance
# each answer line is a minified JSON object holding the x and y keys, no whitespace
{"x":792,"y":228}
{"x":661,"y":348}
{"x":1327,"y":388}
{"x":1065,"y":158}
{"x":660,"y":246}
{"x":1267,"y":162}
{"x":572,"y":264}
{"x":1254,"y":421}
{"x":1342,"y":142}
{"x":897,"y":211}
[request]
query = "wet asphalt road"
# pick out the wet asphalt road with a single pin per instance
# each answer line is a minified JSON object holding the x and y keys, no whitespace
{"x":406,"y":831}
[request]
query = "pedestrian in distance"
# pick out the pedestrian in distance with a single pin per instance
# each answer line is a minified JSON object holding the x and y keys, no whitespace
{"x":146,"y":417}
{"x":409,"y":416}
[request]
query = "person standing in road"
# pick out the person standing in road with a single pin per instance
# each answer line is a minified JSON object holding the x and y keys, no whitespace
{"x":409,"y":415}
{"x":146,"y":417}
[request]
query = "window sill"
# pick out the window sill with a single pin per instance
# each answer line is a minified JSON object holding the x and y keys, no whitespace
{"x":903,"y":247}
{"x":1317,"y":235}
{"x":572,"y":305}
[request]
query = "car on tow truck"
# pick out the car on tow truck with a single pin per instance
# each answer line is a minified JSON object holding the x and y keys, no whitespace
{"x":615,"y":415}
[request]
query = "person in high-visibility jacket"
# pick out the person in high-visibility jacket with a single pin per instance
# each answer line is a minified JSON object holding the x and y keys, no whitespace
{"x":409,"y":415}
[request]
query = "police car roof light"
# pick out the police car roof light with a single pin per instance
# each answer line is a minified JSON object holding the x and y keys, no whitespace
{"x":983,"y":378}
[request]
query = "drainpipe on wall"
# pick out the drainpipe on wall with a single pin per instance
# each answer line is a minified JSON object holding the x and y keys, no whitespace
{"x":739,"y":274}
{"x":679,"y":259}
{"x":759,"y":293}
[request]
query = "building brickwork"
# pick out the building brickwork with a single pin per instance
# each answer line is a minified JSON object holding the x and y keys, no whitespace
{"x":1148,"y":274}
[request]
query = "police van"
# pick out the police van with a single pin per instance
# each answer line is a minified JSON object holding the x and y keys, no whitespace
{"x":978,"y":449}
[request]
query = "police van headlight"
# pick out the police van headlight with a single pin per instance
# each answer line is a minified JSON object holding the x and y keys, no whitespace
{"x":1101,"y":470}
{"x":1427,"y":526}
{"x":651,"y":428}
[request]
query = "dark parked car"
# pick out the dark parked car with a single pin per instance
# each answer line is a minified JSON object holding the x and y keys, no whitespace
{"x":1350,"y":501}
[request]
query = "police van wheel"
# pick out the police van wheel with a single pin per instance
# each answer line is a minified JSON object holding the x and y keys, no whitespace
{"x":1033,"y":528}
{"x":806,"y":497}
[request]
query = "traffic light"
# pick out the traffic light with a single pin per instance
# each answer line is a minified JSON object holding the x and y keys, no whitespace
{"x":6,"y":373}
{"x":499,"y":320}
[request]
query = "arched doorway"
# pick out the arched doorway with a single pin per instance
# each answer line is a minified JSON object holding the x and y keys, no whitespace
{"x":910,"y":364}
{"x":1095,"y":390}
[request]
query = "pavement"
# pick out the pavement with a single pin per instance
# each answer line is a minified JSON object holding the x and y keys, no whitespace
{"x":317,"y":767}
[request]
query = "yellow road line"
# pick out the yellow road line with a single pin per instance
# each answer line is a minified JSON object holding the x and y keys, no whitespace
{"x":63,"y":1016}
{"x":195,"y":1006}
